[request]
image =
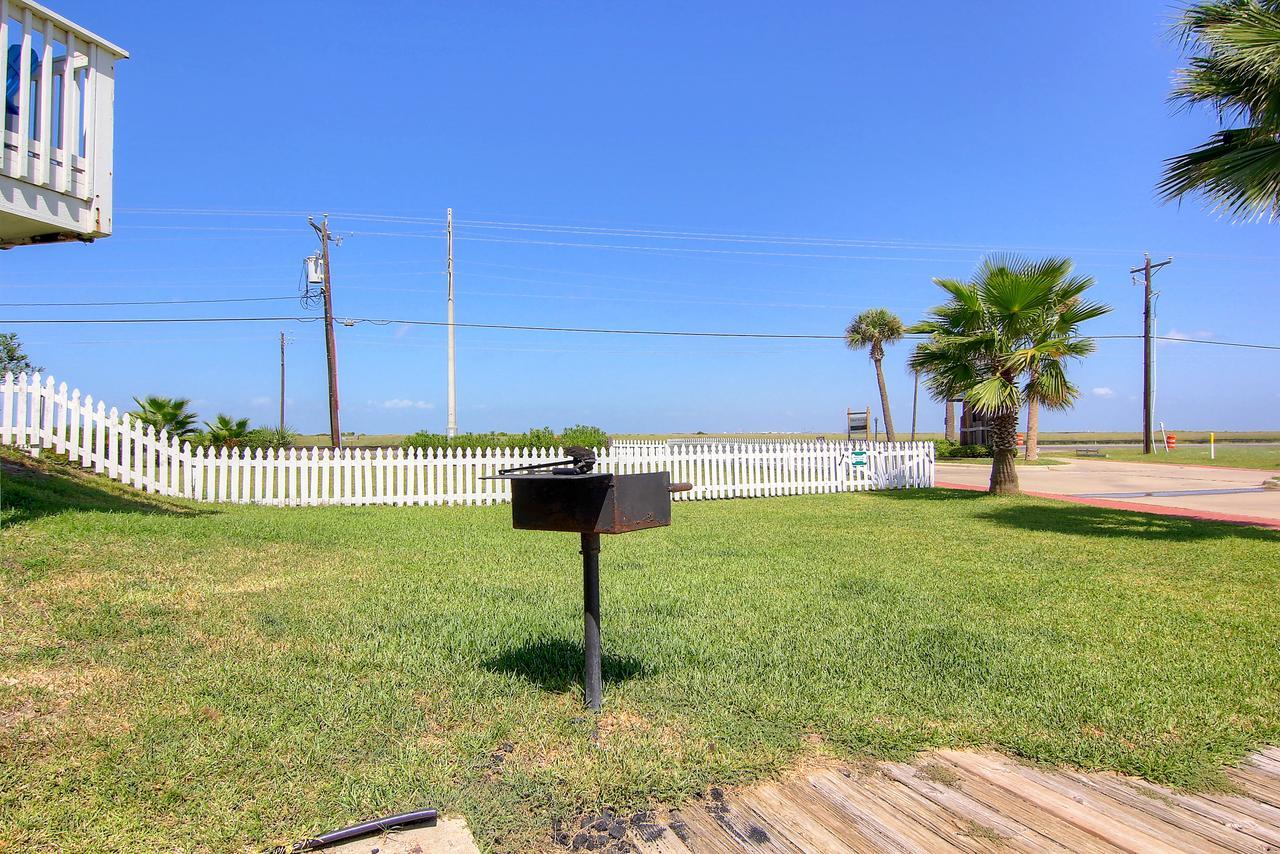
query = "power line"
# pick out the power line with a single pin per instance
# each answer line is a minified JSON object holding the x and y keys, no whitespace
{"x":661,"y":233}
{"x":675,"y":249}
{"x":676,"y":333}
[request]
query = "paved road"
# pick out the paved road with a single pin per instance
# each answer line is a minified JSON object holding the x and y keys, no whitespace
{"x":1213,"y":490}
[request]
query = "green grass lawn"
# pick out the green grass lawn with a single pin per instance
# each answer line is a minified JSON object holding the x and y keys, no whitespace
{"x":1265,"y":457}
{"x":215,"y":679}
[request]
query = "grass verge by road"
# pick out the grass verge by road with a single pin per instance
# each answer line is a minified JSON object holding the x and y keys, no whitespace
{"x":1263,"y":457}
{"x":986,"y":461}
{"x":189,"y":678}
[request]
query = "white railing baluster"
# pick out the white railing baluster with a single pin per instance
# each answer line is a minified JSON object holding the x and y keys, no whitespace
{"x":45,"y":118}
{"x":23,"y":119}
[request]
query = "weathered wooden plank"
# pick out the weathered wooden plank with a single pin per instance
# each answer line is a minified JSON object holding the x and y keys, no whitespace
{"x":882,"y":838}
{"x":1231,"y":811}
{"x":663,"y":839}
{"x":1001,"y":773}
{"x":1168,"y":811}
{"x":1256,"y":784}
{"x":736,"y":815}
{"x":1264,"y":816}
{"x":855,"y":797}
{"x":800,"y":793}
{"x":1012,"y":833}
{"x":1140,"y":819}
{"x":935,"y":818}
{"x":1270,"y":766}
{"x":1000,"y":800}
{"x":800,"y":826}
{"x":704,"y":835}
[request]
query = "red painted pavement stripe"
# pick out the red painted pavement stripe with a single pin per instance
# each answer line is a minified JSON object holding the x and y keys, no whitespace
{"x":1154,"y":509}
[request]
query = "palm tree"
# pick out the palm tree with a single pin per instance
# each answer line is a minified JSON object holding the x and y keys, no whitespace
{"x":169,"y":414}
{"x":227,"y":432}
{"x":1234,"y":68}
{"x":991,"y":335}
{"x":1062,"y":316}
{"x":872,"y":329}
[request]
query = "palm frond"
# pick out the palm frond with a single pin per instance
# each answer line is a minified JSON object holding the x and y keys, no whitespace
{"x":1235,"y":70}
{"x":1051,"y":388}
{"x":994,"y":395}
{"x":1237,"y":171}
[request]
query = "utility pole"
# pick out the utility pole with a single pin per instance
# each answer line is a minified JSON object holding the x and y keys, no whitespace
{"x":915,"y":402}
{"x":451,"y":426}
{"x":330,"y":345}
{"x":282,"y":381}
{"x":1148,"y":350}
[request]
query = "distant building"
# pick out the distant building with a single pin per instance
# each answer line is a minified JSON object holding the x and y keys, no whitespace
{"x":975,"y":429}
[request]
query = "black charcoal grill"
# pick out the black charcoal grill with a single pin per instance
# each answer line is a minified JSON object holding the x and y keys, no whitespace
{"x":568,"y":495}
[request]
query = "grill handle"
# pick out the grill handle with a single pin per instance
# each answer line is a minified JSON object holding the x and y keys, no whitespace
{"x":682,"y":486}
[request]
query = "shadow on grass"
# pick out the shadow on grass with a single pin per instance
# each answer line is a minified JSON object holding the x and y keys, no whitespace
{"x":932,"y":494}
{"x":556,"y":665}
{"x":31,"y":489}
{"x":1062,"y":517}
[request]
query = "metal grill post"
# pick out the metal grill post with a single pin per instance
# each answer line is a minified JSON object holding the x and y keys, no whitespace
{"x":591,"y":683}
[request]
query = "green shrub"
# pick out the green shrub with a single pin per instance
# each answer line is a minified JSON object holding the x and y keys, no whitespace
{"x":424,"y":440}
{"x":541,"y":437}
{"x":261,"y":438}
{"x":537,"y":437}
{"x":584,"y":435}
{"x":269,"y":437}
{"x":947,"y":449}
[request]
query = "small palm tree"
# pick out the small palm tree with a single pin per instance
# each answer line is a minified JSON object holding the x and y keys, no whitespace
{"x":1234,"y":69}
{"x":1064,"y":312}
{"x":227,"y":432}
{"x":169,"y":414}
{"x":872,"y":329}
{"x":995,"y":332}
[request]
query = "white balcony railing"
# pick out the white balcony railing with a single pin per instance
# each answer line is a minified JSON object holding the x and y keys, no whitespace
{"x":56,"y":160}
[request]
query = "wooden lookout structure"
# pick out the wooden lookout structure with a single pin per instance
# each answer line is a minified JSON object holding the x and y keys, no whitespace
{"x":56,"y":161}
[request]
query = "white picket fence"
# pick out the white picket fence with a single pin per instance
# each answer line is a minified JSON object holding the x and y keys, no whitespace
{"x":35,"y":415}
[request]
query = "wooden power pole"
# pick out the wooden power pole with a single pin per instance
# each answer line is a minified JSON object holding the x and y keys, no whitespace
{"x":915,"y":403}
{"x":451,"y":426}
{"x":1148,"y":351}
{"x":282,"y":381}
{"x":330,"y":345}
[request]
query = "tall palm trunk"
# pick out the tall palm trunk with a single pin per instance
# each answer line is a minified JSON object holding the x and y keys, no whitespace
{"x":1004,"y":436}
{"x":949,"y":431}
{"x":1033,"y":429}
{"x":884,"y":402}
{"x":915,"y":404}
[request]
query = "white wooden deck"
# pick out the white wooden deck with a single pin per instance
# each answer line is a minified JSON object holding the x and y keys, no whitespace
{"x":56,"y":150}
{"x":964,"y":801}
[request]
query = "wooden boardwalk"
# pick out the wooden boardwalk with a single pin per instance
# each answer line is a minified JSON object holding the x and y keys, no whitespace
{"x":968,"y":801}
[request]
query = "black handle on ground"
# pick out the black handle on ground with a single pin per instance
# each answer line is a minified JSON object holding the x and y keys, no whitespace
{"x":365,"y":827}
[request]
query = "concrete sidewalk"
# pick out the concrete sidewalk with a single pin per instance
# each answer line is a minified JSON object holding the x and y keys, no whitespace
{"x":1209,"y":492}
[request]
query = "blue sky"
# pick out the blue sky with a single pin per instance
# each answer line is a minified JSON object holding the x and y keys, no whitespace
{"x":919,"y":138}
